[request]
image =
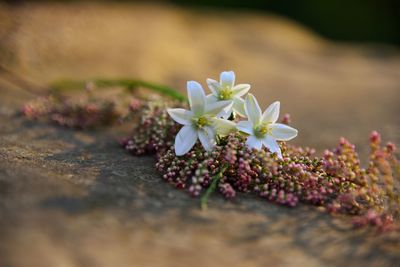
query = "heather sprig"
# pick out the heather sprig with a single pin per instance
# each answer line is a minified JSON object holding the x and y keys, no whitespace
{"x":154,"y":133}
{"x":65,"y":112}
{"x":336,"y":181}
{"x":92,"y":108}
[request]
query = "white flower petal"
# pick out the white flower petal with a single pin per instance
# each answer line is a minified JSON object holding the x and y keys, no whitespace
{"x":273,"y":146}
{"x":216,"y":108}
{"x":254,"y":142}
{"x":240,"y":89}
{"x":238,"y":106}
{"x":211,"y":99}
{"x":252,"y":109}
{"x":245,"y":126}
{"x":197,"y":97}
{"x":227,"y":78}
{"x":226,"y":112}
{"x":282,"y":132}
{"x":214,"y":86}
{"x":181,"y":115}
{"x":207,"y":138}
{"x":223,"y":127}
{"x":271,"y":114}
{"x":185,"y":140}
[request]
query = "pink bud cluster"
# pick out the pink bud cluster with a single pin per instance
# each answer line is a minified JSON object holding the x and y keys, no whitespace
{"x":72,"y":114}
{"x":154,"y":134}
{"x":336,"y":181}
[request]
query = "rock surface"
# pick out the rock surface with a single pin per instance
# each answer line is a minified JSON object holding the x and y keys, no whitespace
{"x":72,"y":198}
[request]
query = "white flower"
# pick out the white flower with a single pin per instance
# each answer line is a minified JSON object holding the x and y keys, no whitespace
{"x":226,"y":90}
{"x":262,"y":128}
{"x":199,"y":122}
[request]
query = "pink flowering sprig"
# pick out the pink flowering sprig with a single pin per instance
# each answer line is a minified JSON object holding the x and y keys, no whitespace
{"x":337,"y":181}
{"x":258,"y":161}
{"x":72,"y":114}
{"x":154,"y":133}
{"x":91,"y":110}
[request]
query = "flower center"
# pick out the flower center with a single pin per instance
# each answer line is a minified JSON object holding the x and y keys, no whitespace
{"x":225,"y":93}
{"x":201,"y":122}
{"x":262,"y":130}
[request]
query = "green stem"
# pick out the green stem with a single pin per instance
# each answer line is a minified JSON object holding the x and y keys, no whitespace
{"x":213,"y":186}
{"x":129,"y":84}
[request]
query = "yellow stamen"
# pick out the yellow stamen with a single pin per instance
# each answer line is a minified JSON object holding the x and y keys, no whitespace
{"x":201,"y":122}
{"x":262,"y":130}
{"x":225,"y":93}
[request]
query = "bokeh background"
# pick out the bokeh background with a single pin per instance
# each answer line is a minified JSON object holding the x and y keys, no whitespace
{"x":354,"y":20}
{"x":70,"y":198}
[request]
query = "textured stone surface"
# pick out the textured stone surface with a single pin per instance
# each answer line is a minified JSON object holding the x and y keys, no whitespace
{"x":71,"y":198}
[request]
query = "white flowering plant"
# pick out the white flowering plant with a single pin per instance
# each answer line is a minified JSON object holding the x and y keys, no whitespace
{"x":212,"y":116}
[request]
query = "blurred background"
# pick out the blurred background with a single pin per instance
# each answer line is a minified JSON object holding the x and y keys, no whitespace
{"x":354,"y":20}
{"x":334,"y":65}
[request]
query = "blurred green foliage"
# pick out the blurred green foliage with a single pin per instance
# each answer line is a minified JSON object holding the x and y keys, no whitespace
{"x":376,"y":21}
{"x":353,"y":20}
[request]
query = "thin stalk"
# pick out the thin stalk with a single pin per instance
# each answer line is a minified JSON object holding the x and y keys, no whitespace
{"x":213,"y":186}
{"x":129,"y":84}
